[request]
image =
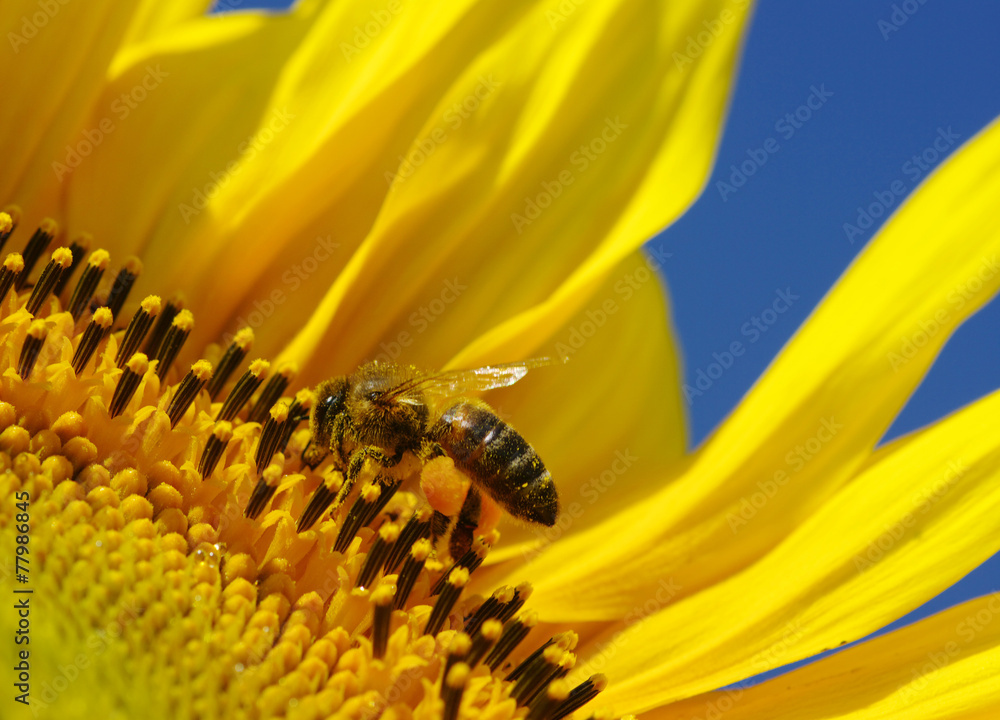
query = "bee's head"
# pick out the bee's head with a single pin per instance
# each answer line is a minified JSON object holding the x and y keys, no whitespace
{"x":331,"y":397}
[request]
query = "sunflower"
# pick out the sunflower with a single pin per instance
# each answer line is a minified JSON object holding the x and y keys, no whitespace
{"x":451,"y":186}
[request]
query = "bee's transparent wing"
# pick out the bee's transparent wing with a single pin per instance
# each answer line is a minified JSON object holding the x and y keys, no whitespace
{"x":452,"y":383}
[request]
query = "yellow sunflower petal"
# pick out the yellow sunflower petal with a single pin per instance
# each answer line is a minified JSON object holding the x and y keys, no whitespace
{"x":945,"y":666}
{"x":898,"y":534}
{"x":814,"y":417}
{"x":153,"y":17}
{"x":364,"y":90}
{"x":555,"y":153}
{"x":51,"y":76}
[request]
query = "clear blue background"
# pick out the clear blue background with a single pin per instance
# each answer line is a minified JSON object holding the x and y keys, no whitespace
{"x":784,"y":227}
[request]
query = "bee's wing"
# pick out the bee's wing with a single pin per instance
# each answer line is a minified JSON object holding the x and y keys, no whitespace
{"x":452,"y":383}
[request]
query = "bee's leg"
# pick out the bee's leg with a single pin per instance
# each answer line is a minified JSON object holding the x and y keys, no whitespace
{"x":468,"y":520}
{"x":326,"y":492}
{"x":313,"y":454}
{"x":367,"y":505}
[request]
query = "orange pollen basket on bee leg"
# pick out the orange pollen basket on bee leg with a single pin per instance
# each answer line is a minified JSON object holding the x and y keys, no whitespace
{"x":147,"y":485}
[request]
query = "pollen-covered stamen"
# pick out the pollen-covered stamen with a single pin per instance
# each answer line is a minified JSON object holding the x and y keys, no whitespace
{"x":411,"y":570}
{"x":538,"y":673}
{"x":167,"y":315}
{"x":13,"y":268}
{"x":272,"y":391}
{"x":97,"y":329}
{"x":457,"y":579}
{"x":40,"y":240}
{"x":245,"y":387}
{"x":78,"y":248}
{"x":491,"y":608}
{"x":263,"y":491}
{"x":361,"y":512}
{"x":299,"y":411}
{"x":33,"y":342}
{"x":453,"y":688}
{"x":270,"y":435}
{"x":579,"y":696}
{"x":230,"y":360}
{"x":565,"y":641}
{"x":381,"y":599}
{"x":177,"y":335}
{"x":130,"y":378}
{"x":320,"y":501}
{"x":484,"y":640}
{"x":547,"y":703}
{"x":417,"y":527}
{"x":373,"y":497}
{"x":7,"y":224}
{"x":216,"y":445}
{"x":54,"y":269}
{"x":97,"y":263}
{"x":521,"y":594}
{"x":137,"y":328}
{"x":122,"y":285}
{"x":188,"y":390}
{"x":472,"y":559}
{"x":458,"y":651}
{"x":514,"y":631}
{"x":388,"y":534}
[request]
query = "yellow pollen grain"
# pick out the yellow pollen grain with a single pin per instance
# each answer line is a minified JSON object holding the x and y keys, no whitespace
{"x":289,"y":370}
{"x":83,"y":240}
{"x":460,"y":644}
{"x":259,"y":368}
{"x":244,"y":339}
{"x":14,"y":262}
{"x":457,"y":676}
{"x":458,"y":577}
{"x":421,"y":549}
{"x":370,"y":492}
{"x":14,"y":212}
{"x":389,"y":532}
{"x":151,"y":305}
{"x":184,"y":321}
{"x":279,"y":413}
{"x":202,"y":369}
{"x":62,"y":256}
{"x":223,"y":430}
{"x":383,"y":595}
{"x":37,"y":329}
{"x":49,"y":226}
{"x":491,"y":630}
{"x":272,"y":475}
{"x":102,"y":317}
{"x":558,"y":690}
{"x":6,"y":222}
{"x":138,"y":363}
{"x":99,"y":259}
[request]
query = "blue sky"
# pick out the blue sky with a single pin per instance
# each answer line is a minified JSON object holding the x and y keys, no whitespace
{"x":887,"y":80}
{"x":891,"y":94}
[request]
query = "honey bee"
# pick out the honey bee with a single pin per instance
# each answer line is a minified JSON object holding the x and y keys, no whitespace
{"x":386,"y":412}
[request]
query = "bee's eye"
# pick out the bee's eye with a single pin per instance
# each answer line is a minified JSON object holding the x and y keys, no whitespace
{"x":374,"y":395}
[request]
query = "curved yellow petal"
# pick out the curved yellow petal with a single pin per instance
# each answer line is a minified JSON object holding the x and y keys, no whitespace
{"x":944,"y":666}
{"x":51,"y":76}
{"x":898,"y":534}
{"x":153,"y":17}
{"x":814,"y":417}
{"x":554,"y":154}
{"x":605,"y":423}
